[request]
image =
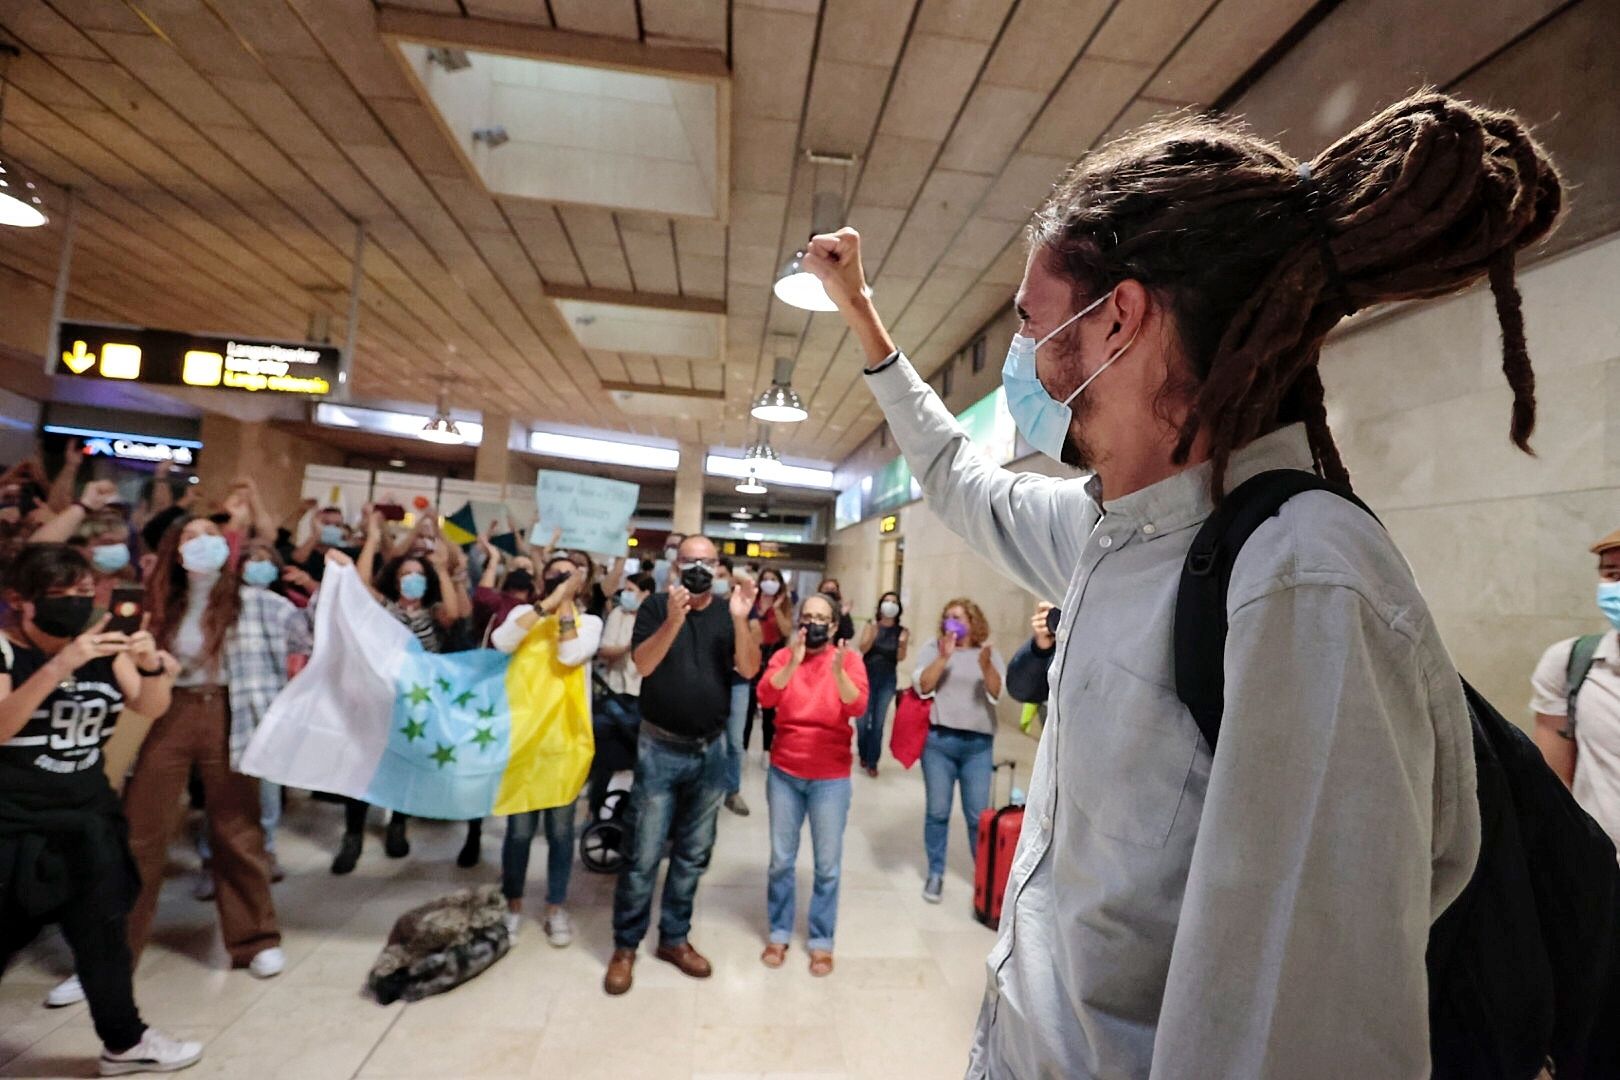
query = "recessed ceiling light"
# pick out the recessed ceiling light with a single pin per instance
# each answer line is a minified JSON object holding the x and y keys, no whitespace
{"x":396,"y":463}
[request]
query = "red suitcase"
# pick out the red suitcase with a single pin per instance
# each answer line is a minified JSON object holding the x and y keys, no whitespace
{"x":998,"y":842}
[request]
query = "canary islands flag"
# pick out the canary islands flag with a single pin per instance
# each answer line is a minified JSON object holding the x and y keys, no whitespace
{"x":455,"y":735}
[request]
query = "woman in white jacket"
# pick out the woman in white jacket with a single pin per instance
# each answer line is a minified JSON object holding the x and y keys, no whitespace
{"x":578,"y":636}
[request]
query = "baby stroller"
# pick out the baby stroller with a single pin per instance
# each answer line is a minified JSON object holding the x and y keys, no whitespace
{"x":616,"y":722}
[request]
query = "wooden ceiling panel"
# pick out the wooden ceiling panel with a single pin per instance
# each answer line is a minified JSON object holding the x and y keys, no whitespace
{"x":990,"y":127}
{"x":1085,"y":104}
{"x":1022,"y":185}
{"x":155,"y":62}
{"x":762,"y":153}
{"x":651,"y":256}
{"x":896,"y":167}
{"x":935,"y":76}
{"x":702,"y":237}
{"x":843,"y":106}
{"x":1025,"y":56}
{"x":685,"y":22}
{"x":1146,"y":31}
{"x":859,"y":31}
{"x":274,"y":28}
{"x":523,"y":11}
{"x":612,"y":18}
{"x":702,"y":275}
{"x":412,"y":127}
{"x":34,"y":22}
{"x":1223,"y":47}
{"x":770,"y":62}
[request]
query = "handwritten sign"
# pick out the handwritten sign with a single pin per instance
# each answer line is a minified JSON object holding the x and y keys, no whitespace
{"x":594,"y":514}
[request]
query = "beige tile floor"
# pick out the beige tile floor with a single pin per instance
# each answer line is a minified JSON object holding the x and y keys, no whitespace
{"x":901,"y":1004}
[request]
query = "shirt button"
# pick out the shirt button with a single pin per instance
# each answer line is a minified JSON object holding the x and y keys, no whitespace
{"x":1046,"y":823}
{"x":1149,"y":529}
{"x":1107,"y":542}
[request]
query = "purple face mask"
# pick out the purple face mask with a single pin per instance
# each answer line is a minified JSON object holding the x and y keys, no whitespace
{"x":957,"y":629}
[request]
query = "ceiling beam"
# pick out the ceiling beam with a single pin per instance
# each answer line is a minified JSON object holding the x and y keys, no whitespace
{"x":664,"y":391}
{"x":543,"y":43}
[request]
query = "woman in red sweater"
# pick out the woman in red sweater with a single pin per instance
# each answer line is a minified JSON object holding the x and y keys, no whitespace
{"x":818,"y":689}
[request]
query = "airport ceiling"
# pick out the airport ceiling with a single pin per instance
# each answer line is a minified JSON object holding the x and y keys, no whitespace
{"x":223,"y":150}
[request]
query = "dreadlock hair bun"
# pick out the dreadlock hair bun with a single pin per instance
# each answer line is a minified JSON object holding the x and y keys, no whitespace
{"x":1257,"y":258}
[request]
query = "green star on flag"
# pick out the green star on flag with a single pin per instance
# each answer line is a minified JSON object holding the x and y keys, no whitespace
{"x":464,"y":698}
{"x":413,"y":730}
{"x":444,"y":684}
{"x":444,"y":755}
{"x":485,"y":738}
{"x":419,"y":695}
{"x":487,"y":714}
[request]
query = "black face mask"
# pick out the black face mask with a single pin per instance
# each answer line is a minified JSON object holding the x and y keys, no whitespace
{"x":816,"y":635}
{"x":519,"y":581}
{"x":697,"y":579}
{"x":831,"y":594}
{"x":1054,"y":618}
{"x":551,"y":582}
{"x":64,"y":616}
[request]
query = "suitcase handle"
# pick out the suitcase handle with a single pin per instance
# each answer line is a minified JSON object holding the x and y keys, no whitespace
{"x":1012,"y":778}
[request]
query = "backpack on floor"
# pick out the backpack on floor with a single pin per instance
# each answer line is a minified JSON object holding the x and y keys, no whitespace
{"x":1524,"y":966}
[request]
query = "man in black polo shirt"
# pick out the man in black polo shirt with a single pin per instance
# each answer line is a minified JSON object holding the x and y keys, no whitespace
{"x":686,"y":644}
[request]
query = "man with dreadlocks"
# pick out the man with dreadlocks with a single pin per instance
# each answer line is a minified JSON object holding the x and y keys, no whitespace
{"x":1261,"y":912}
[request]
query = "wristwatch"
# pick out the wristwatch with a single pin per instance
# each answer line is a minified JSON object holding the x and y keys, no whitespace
{"x":143,"y":673}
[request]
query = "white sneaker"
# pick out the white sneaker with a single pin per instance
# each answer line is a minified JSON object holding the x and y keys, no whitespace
{"x":67,"y":992}
{"x":156,"y":1052}
{"x":559,"y":929}
{"x":514,"y":923}
{"x":268,"y":964}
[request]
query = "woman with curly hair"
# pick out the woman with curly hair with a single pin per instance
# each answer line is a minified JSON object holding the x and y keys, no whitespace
{"x":961,"y":673}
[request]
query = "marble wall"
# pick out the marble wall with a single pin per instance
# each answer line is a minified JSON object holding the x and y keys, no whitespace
{"x":1498,"y":540}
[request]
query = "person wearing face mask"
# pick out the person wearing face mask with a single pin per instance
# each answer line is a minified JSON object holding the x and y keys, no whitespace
{"x":883,"y":644}
{"x":1576,"y":699}
{"x":63,"y":837}
{"x":817,"y":686}
{"x":961,"y":673}
{"x":423,"y":594}
{"x":232,"y":643}
{"x":686,"y":644}
{"x":327,"y":533}
{"x":661,"y":568}
{"x":270,"y":646}
{"x":845,"y":631}
{"x":617,"y":717}
{"x":773,"y":615}
{"x":497,"y":595}
{"x":578,"y":635}
{"x":1179,"y":286}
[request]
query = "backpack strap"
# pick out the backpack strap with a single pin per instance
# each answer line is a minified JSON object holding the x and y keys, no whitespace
{"x":1199,"y":634}
{"x":1581,"y":657}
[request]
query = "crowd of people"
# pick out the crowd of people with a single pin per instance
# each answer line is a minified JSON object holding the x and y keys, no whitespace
{"x":1261,"y":911}
{"x":689,"y":655}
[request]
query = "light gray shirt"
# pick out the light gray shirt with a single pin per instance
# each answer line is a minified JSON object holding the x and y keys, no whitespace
{"x":960,"y":698}
{"x":1261,"y":914}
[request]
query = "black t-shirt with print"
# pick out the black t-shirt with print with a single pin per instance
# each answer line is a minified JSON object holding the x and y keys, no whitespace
{"x":689,"y":692}
{"x":62,"y":741}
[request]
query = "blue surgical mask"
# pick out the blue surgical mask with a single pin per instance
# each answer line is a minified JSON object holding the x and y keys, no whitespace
{"x":109,"y":558}
{"x":1608,"y":598}
{"x":413,"y":586}
{"x":259,"y":572}
{"x":1043,"y":421}
{"x":630,"y":600}
{"x":332,"y":535}
{"x":205,"y":554}
{"x":721,"y":587}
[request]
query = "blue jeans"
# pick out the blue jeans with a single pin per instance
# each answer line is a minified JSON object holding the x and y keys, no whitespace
{"x":520,"y":830}
{"x":676,"y":795}
{"x":869,"y":732}
{"x":736,"y":724}
{"x":826,"y":804}
{"x":953,"y":757}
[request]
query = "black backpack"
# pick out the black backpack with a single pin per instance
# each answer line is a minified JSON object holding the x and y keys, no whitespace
{"x":1524,"y":966}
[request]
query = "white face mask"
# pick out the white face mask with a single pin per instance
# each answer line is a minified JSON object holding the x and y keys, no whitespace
{"x":889,"y":609}
{"x":770,"y":586}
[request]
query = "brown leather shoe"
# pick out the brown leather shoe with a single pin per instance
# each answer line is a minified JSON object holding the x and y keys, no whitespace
{"x":688,"y":959}
{"x":620,"y":971}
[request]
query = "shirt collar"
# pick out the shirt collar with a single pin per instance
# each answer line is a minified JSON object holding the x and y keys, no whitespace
{"x":1608,"y":649}
{"x":1179,"y":501}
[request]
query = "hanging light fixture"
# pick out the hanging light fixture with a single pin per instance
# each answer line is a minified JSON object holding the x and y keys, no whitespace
{"x":796,"y":286}
{"x":780,"y":403}
{"x":442,"y":428}
{"x":751,"y":485}
{"x":20,"y":201}
{"x":761,"y":451}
